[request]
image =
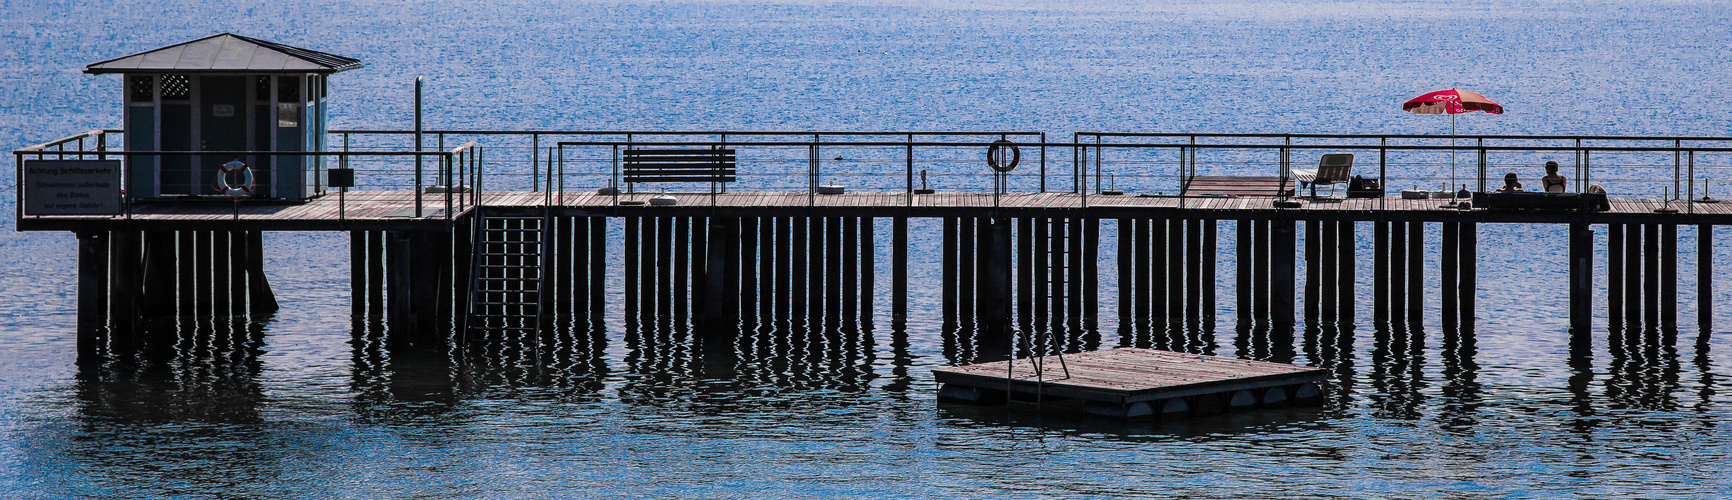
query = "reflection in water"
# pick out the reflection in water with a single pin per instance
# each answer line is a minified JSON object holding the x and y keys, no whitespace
{"x":186,"y":368}
{"x":1397,"y":371}
{"x":1644,"y":368}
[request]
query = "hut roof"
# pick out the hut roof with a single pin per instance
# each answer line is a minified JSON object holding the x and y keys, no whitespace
{"x":226,"y":53}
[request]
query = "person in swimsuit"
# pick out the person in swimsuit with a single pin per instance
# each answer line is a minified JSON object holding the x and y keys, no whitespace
{"x":1553,"y":182}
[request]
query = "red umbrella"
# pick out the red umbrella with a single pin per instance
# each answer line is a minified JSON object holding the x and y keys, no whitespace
{"x":1452,"y":102}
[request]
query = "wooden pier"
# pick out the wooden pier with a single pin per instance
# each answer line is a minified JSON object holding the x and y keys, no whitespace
{"x":1130,"y":382}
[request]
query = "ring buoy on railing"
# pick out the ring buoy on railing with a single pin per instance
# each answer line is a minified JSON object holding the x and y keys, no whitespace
{"x":995,"y":156}
{"x":235,"y":179}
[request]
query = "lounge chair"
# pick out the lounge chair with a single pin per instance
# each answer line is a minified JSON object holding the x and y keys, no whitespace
{"x":1331,"y":169}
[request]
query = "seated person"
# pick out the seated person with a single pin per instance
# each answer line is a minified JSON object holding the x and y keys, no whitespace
{"x":1509,"y":184}
{"x":1553,"y":182}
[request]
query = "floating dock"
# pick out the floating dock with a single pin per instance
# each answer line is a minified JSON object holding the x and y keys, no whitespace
{"x":1130,"y":382}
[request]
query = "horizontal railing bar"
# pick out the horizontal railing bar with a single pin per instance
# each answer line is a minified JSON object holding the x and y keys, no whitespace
{"x":1401,"y":136}
{"x":682,"y":132}
{"x":1349,"y":147}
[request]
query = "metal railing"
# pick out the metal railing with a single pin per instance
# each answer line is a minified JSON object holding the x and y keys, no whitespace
{"x":556,"y":161}
{"x":1627,"y":166}
{"x":459,"y":173}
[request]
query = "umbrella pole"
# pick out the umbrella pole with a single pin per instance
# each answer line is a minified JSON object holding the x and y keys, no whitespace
{"x":1453,"y":203}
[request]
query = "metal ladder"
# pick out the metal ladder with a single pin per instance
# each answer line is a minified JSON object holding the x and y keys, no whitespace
{"x":1058,"y":246}
{"x":506,"y":279}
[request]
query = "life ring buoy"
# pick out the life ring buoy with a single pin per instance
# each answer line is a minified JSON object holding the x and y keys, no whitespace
{"x":995,"y":151}
{"x":243,"y":187}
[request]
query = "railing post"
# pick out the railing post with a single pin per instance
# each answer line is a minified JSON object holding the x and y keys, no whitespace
{"x":908,"y":173}
{"x":1677,"y":167}
{"x":534,"y":162}
{"x":418,"y":181}
{"x":1043,"y":162}
{"x":1383,"y":172}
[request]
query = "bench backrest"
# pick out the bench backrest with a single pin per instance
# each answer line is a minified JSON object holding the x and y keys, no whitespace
{"x":1334,"y":168}
{"x":678,"y":165}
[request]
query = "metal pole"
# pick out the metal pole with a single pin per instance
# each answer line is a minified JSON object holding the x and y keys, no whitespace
{"x":418,"y":147}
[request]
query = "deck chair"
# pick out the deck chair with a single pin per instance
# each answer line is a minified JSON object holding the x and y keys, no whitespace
{"x":1331,"y":169}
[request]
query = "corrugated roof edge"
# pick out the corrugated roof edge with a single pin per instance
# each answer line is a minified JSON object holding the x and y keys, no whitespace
{"x":332,"y":62}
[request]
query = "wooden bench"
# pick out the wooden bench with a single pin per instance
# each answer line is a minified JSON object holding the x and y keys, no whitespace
{"x":679,"y":165}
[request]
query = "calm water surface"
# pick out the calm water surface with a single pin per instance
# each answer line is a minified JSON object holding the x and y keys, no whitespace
{"x":305,"y":404}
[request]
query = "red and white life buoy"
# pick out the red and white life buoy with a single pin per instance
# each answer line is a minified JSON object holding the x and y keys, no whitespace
{"x":241,"y":185}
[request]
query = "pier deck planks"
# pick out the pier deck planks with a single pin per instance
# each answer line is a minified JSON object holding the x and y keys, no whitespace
{"x":1128,"y":375}
{"x":394,"y":209}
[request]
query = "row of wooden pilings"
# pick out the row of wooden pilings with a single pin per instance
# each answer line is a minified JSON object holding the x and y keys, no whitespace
{"x":130,"y":279}
{"x":1001,"y":275}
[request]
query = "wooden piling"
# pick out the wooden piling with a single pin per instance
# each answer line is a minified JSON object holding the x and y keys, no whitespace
{"x":125,"y":257}
{"x":833,"y":281}
{"x":1313,"y":269}
{"x":1155,"y":259}
{"x":1415,"y":272}
{"x":1651,"y":273}
{"x":1347,"y":273}
{"x":681,"y":260}
{"x":1074,"y":272}
{"x":1175,"y":308}
{"x":1614,"y":276}
{"x":1025,"y":273}
{"x":1040,"y":270}
{"x":1581,"y":282}
{"x":732,"y":264}
{"x":239,"y":292}
{"x":631,"y":269}
{"x":799,"y":259}
{"x":204,"y":281}
{"x":220,"y":273}
{"x":850,"y":256}
{"x":1632,"y":274}
{"x":748,"y":263}
{"x":1210,"y":236}
{"x":1282,"y":265}
{"x":1449,"y":267}
{"x":1468,"y":270}
{"x":1091,"y":244}
{"x":868,"y":270}
{"x":1242,"y":274}
{"x":1328,"y":271}
{"x":157,"y":299}
{"x":1397,"y":278}
{"x":899,"y":275}
{"x":398,"y":289}
{"x":598,"y":266}
{"x":768,"y":247}
{"x":1704,"y":282}
{"x":1260,"y":273}
{"x":1668,"y":256}
{"x":966,"y":251}
{"x":785,"y":283}
{"x":92,"y":281}
{"x":1380,"y":272}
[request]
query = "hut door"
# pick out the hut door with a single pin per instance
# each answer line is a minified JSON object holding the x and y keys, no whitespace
{"x":222,"y":125}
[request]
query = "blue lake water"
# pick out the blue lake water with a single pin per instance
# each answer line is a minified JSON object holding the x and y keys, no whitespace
{"x":304,"y":410}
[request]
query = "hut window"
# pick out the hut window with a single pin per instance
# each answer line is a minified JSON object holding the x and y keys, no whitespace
{"x":262,"y":88}
{"x":176,"y":88}
{"x":289,"y":89}
{"x":143,"y":89}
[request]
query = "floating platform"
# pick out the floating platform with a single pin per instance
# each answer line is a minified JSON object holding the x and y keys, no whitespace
{"x":1131,"y":382}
